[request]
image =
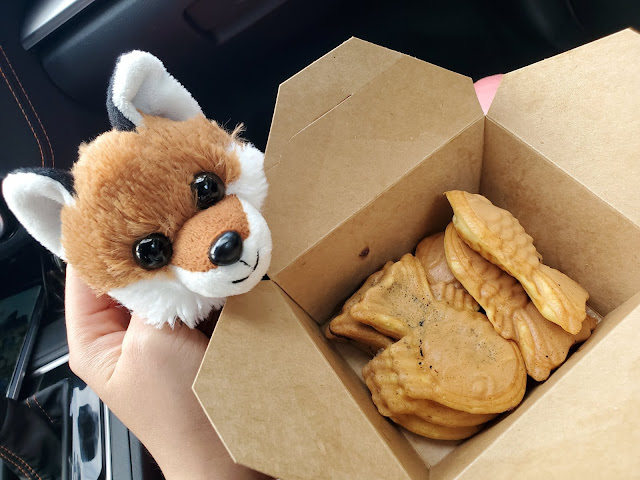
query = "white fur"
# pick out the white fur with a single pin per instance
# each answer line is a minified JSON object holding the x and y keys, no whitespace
{"x":36,"y":201}
{"x":252,"y":184}
{"x":191,"y":296}
{"x":142,"y":84}
{"x":163,"y":299}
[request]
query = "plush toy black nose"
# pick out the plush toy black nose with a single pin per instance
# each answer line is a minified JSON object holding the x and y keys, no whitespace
{"x":226,"y":249}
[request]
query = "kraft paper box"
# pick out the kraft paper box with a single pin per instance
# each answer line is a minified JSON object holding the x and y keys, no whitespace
{"x":363,"y":144}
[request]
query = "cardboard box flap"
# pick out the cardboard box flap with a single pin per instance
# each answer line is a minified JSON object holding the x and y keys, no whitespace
{"x":585,"y":416}
{"x":322,"y":278}
{"x":286,"y":405}
{"x":374,"y":116}
{"x":303,"y":99}
{"x":581,"y":110}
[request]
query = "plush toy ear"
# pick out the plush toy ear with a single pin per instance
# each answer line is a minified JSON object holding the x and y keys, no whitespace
{"x":36,"y":197}
{"x":141,"y":84}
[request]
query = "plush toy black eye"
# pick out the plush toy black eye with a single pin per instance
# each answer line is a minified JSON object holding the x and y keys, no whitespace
{"x":153,"y":251}
{"x":209,"y":189}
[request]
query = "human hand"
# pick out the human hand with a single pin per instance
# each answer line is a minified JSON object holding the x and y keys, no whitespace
{"x":144,"y":375}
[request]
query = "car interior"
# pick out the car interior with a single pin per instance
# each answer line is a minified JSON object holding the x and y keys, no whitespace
{"x":56,"y":57}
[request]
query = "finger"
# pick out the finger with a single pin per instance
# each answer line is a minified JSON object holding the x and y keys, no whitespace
{"x":90,"y":316}
{"x":84,"y":301}
{"x":95,"y":329}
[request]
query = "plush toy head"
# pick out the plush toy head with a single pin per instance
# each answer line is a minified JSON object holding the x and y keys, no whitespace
{"x":162,"y":212}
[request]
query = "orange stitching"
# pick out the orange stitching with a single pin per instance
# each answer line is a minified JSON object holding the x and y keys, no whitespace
{"x":23,"y":113}
{"x":18,"y":457}
{"x":28,"y":405}
{"x":15,"y":465}
{"x":40,"y":406}
{"x":53,"y":162}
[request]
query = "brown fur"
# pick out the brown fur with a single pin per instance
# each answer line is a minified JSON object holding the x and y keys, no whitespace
{"x":131,"y":184}
{"x":192,"y":244}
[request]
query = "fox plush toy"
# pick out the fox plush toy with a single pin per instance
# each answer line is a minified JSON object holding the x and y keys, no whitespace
{"x":162,"y":213}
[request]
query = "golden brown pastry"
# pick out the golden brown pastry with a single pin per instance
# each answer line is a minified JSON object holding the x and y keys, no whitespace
{"x":444,"y":285}
{"x":442,"y":282}
{"x":399,"y":302}
{"x":498,"y":236}
{"x":442,"y":370}
{"x":391,"y":400}
{"x":544,"y":345}
{"x":452,"y":357}
{"x":456,"y":359}
{"x":345,"y":326}
{"x":431,"y":430}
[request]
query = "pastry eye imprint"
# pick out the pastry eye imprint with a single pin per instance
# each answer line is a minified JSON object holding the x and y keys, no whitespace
{"x":208,"y":188}
{"x":153,"y":251}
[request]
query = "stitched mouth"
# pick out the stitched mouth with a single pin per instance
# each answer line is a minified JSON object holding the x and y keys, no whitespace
{"x":254,"y":269}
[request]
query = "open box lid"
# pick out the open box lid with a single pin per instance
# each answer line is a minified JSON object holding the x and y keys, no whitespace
{"x":283,"y":401}
{"x":346,"y":131}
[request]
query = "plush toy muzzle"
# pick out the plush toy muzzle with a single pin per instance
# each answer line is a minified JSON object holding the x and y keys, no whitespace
{"x":162,"y":212}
